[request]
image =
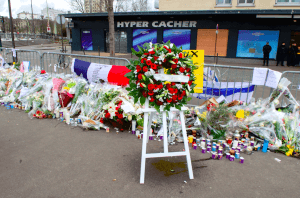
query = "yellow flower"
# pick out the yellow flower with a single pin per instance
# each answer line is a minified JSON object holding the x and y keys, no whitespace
{"x":167,"y":82}
{"x":66,"y":88}
{"x":14,"y":63}
{"x":203,"y":115}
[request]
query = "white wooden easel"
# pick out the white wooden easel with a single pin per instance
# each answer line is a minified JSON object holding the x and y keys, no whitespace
{"x":166,"y":153}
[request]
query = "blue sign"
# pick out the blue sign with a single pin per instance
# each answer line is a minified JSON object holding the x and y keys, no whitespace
{"x":180,"y":37}
{"x":141,"y":36}
{"x":251,"y":43}
{"x":87,"y":40}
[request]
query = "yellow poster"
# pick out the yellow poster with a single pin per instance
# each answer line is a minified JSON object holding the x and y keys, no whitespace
{"x":198,"y":60}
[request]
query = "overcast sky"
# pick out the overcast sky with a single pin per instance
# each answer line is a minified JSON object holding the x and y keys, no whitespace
{"x":18,"y":6}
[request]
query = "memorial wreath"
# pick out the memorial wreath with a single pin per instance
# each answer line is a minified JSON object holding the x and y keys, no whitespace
{"x":160,"y":58}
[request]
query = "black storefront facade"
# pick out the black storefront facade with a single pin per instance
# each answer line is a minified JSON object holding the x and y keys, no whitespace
{"x":242,"y":33}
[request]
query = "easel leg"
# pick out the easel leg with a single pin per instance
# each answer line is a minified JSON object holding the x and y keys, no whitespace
{"x":149,"y":126}
{"x":144,"y":149}
{"x":186,"y":146}
{"x":165,"y":132}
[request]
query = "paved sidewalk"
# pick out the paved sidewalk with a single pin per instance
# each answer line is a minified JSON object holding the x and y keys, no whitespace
{"x":46,"y":158}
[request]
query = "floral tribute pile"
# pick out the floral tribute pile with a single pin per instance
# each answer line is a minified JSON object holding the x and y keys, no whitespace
{"x":154,"y":59}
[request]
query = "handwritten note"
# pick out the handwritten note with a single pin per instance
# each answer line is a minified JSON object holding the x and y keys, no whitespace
{"x":273,"y":78}
{"x":259,"y":76}
{"x":26,"y":65}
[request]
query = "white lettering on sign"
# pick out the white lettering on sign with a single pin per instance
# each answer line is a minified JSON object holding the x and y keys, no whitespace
{"x":156,"y":24}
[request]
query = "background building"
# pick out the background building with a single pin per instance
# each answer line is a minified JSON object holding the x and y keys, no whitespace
{"x":168,"y":5}
{"x":52,"y":13}
{"x":27,"y":15}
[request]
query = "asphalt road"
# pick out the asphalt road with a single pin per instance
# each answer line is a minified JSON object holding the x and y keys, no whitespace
{"x":47,"y":158}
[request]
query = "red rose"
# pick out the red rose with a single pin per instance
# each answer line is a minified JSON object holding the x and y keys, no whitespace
{"x":151,"y":87}
{"x":165,"y":60}
{"x":161,"y":86}
{"x":190,"y":83}
{"x":181,"y":69}
{"x":145,"y":69}
{"x":183,"y":83}
{"x":188,"y":69}
{"x":152,"y":99}
{"x":155,"y":57}
{"x":107,"y":115}
{"x":142,"y":61}
{"x":175,"y":91}
{"x":34,"y":115}
{"x":169,"y":100}
{"x":170,"y":89}
{"x":168,"y":86}
{"x":144,"y":93}
{"x":154,"y":66}
{"x":43,"y":72}
{"x":141,"y":85}
{"x":159,"y":102}
{"x":180,"y":98}
{"x":152,"y":52}
{"x":156,"y":86}
{"x":180,"y":55}
{"x":140,"y":76}
{"x":120,"y":116}
{"x":138,"y":68}
{"x":150,"y":93}
{"x":101,"y":120}
{"x":175,"y":60}
{"x":117,"y":108}
{"x":174,"y":97}
{"x":172,"y":83}
{"x":174,"y":66}
{"x":183,"y":93}
{"x":105,"y":111}
{"x":38,"y":112}
{"x":169,"y":50}
{"x":146,"y":54}
{"x":174,"y":101}
{"x":148,"y":62}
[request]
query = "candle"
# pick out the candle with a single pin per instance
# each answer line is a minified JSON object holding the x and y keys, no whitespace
{"x":150,"y":137}
{"x":203,"y":150}
{"x":208,"y":149}
{"x":133,"y":126}
{"x":202,"y":144}
{"x":213,"y":148}
{"x":220,"y":156}
{"x":242,"y":160}
{"x":195,"y":146}
{"x":227,"y":155}
{"x":220,"y":151}
{"x":67,"y":115}
{"x":235,"y":143}
{"x":213,"y":155}
{"x":237,"y":155}
{"x":231,"y":158}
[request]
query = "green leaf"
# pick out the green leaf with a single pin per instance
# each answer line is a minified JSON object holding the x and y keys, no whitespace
{"x":140,"y":48}
{"x":189,"y":98}
{"x":142,"y":100}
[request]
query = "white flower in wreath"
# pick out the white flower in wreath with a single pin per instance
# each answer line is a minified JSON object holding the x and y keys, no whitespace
{"x":179,"y":73}
{"x":129,"y":117}
{"x":261,"y":124}
{"x":150,"y":44}
{"x":148,"y":73}
{"x":179,"y":63}
{"x":179,"y":86}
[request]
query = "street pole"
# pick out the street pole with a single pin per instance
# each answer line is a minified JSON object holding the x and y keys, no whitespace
{"x":62,"y":38}
{"x":217,"y":31}
{"x":11,"y":26}
{"x":33,"y":30}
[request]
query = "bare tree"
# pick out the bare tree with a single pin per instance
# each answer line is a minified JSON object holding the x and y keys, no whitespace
{"x":77,"y":5}
{"x":110,"y":9}
{"x":140,"y":5}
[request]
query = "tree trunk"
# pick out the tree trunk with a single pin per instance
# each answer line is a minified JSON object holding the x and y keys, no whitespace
{"x":111,"y":28}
